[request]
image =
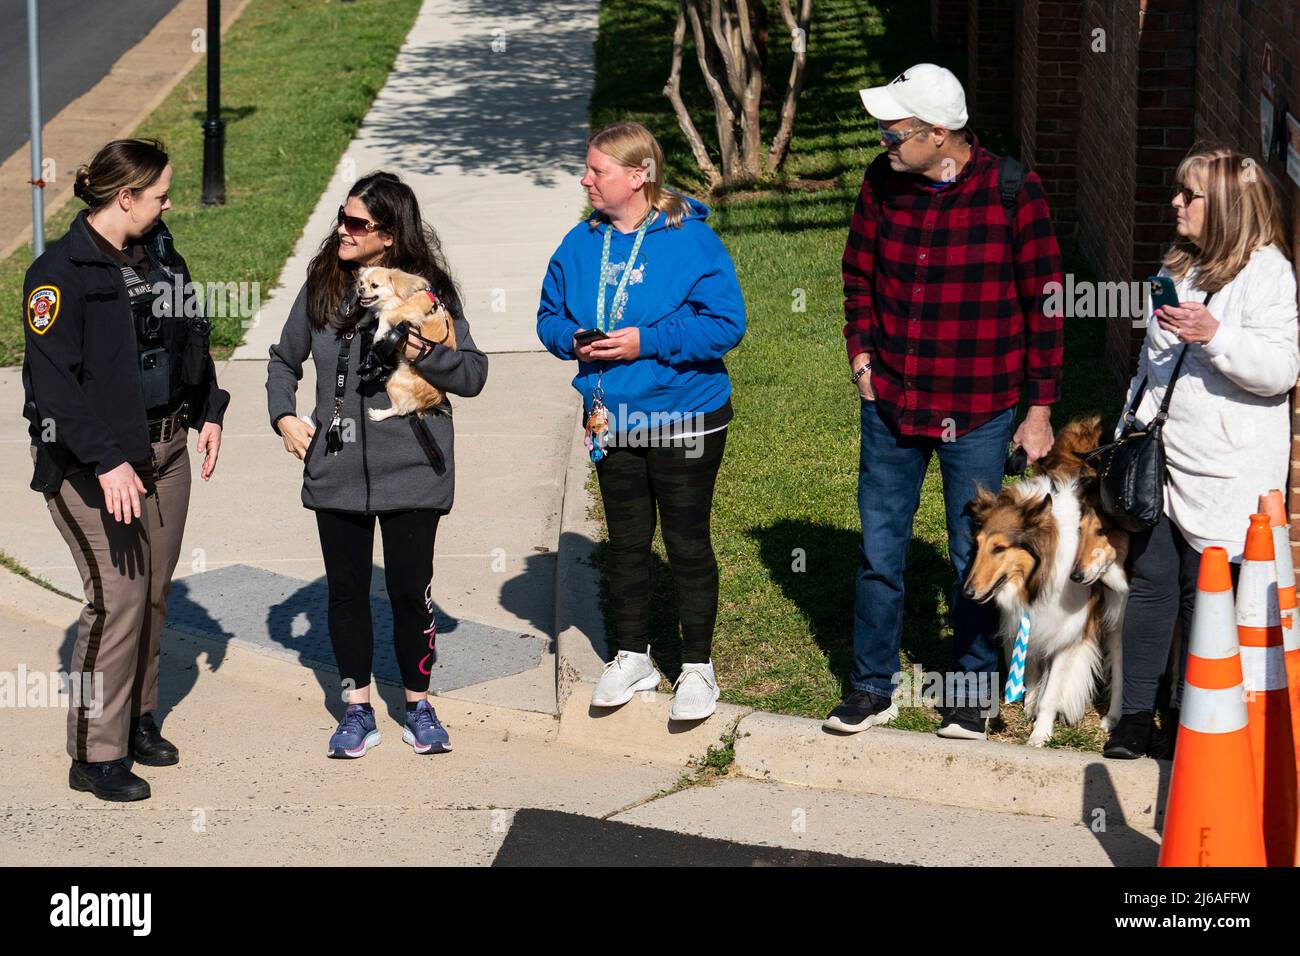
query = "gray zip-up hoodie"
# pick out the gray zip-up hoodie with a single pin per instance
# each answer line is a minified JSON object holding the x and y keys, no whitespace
{"x":382,"y":466}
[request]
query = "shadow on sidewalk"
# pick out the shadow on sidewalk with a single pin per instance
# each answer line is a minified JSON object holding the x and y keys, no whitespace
{"x":1102,"y":813}
{"x":177,"y":674}
{"x":300,"y":623}
{"x":530,"y":595}
{"x":519,"y":108}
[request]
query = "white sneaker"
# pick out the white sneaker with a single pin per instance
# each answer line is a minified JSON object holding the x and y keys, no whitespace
{"x":695,"y":695}
{"x":626,"y":674}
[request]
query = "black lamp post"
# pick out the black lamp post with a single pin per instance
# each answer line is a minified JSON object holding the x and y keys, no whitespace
{"x":214,"y":130}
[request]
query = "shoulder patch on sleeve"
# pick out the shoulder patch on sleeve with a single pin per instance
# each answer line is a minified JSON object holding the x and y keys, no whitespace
{"x":42,"y":308}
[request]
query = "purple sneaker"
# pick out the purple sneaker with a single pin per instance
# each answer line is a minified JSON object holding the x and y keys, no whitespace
{"x":356,"y":733}
{"x":424,"y":732}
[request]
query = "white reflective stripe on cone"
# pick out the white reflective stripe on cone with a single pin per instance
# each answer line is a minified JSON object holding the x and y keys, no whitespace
{"x":1282,"y":556}
{"x":1257,"y":595}
{"x":1291,"y":635}
{"x":1263,"y":668}
{"x":1213,"y":711}
{"x":1214,"y":625}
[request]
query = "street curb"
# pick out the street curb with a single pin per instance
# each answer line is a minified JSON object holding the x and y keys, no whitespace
{"x":641,"y":728}
{"x":35,"y":601}
{"x":579,"y":621}
{"x":980,"y":775}
{"x":67,"y":132}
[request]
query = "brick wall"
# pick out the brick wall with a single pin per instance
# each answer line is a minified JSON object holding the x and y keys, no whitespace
{"x":1048,"y":101}
{"x":948,"y":22}
{"x":990,"y":44}
{"x":1107,"y":173}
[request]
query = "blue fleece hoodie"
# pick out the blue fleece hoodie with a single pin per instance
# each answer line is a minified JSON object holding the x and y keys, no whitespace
{"x":682,"y":295}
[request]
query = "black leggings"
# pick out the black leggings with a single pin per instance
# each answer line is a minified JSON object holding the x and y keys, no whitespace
{"x":347,"y":543}
{"x":679,"y":479}
{"x":1162,"y":587}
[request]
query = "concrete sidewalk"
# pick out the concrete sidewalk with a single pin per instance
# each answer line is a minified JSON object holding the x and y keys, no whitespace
{"x":254,"y":787}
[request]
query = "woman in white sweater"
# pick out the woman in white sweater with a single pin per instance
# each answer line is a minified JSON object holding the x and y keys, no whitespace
{"x":1228,"y":436}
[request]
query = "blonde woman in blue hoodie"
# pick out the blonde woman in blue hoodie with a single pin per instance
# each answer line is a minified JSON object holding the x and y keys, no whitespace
{"x":644,"y":296}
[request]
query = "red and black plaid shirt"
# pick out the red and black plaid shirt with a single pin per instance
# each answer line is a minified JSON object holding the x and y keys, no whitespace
{"x":947,"y":302}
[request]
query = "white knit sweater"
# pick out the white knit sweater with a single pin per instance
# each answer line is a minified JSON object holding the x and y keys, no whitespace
{"x":1228,"y":437}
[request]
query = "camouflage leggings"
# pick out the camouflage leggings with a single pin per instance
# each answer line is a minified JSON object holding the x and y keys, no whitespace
{"x":679,"y":480}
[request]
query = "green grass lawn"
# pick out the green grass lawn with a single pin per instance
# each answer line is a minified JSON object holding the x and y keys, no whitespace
{"x":297,"y":77}
{"x":785,"y":521}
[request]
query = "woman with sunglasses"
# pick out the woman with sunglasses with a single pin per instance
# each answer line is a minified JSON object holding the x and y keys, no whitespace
{"x":399,"y":471}
{"x":1227,"y":439}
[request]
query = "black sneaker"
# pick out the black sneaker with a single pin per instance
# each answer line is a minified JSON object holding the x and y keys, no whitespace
{"x":108,"y":780}
{"x":1131,"y":737}
{"x":149,"y":746}
{"x":964,"y":723}
{"x":858,"y":711}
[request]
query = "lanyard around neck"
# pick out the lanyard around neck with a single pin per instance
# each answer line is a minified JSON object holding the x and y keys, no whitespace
{"x":627,"y":270}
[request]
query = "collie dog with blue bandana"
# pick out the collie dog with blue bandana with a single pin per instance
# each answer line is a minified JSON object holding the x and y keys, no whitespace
{"x":1043,"y":546}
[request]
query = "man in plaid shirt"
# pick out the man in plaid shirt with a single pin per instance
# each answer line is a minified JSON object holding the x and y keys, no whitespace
{"x":943,"y":302}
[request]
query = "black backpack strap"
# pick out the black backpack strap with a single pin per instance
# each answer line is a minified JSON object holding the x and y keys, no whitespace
{"x":1011,"y":177}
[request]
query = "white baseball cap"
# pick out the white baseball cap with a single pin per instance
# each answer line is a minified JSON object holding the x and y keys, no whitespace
{"x":930,"y":93}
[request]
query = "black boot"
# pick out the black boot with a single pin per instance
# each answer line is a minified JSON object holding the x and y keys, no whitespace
{"x":148,"y":746}
{"x":108,"y":780}
{"x":1131,"y":737}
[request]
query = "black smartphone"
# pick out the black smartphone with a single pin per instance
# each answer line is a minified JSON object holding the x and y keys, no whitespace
{"x":587,"y":336}
{"x":1162,"y":292}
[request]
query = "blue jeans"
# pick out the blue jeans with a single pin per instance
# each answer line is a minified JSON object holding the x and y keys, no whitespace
{"x":891,"y":468}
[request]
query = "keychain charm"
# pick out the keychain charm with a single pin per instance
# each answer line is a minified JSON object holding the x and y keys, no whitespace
{"x":597,"y":437}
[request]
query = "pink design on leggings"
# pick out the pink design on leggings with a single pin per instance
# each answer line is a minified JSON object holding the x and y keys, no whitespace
{"x":431,"y":632}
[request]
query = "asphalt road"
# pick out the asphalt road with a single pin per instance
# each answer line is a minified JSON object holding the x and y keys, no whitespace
{"x":80,"y":42}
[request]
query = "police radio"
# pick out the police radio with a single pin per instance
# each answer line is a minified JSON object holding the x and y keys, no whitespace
{"x":155,"y":362}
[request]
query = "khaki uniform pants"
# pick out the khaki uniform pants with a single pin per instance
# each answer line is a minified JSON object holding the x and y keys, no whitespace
{"x":126,"y":571}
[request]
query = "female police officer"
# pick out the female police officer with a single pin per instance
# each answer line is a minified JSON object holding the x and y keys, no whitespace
{"x":114,"y":372}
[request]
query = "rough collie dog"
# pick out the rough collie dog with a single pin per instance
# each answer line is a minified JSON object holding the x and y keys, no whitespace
{"x":396,"y":297}
{"x":1042,"y":546}
{"x":1103,"y":545}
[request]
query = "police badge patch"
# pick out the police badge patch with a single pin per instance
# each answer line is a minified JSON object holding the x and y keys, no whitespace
{"x":42,"y":308}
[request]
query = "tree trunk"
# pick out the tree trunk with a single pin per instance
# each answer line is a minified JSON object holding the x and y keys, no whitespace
{"x":673,"y":90}
{"x":794,"y":86}
{"x":731,"y":46}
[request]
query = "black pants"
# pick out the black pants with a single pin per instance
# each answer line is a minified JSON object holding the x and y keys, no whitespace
{"x":347,"y":543}
{"x":1162,"y":588}
{"x":679,"y":480}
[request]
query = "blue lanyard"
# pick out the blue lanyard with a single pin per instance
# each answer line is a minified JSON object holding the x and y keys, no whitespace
{"x":627,"y":270}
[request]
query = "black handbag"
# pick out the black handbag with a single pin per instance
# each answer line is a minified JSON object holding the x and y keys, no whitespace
{"x":1132,"y":471}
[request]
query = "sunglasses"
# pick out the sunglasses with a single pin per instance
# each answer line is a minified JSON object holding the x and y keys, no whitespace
{"x":1189,"y":194}
{"x":891,"y":138}
{"x":355,"y":225}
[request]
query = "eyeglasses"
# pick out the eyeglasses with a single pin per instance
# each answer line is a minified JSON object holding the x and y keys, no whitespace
{"x":1189,"y":194}
{"x":892,"y":138}
{"x":355,"y":225}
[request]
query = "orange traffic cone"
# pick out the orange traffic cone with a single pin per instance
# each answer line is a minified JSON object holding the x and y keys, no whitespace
{"x":1273,"y":505}
{"x":1212,"y":814}
{"x":1259,"y":631}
